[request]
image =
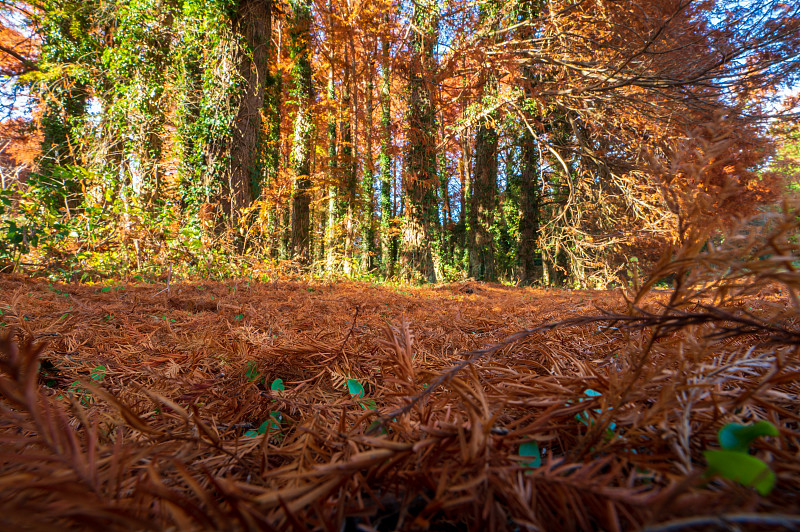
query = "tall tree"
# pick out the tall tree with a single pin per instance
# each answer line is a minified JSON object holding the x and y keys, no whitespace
{"x":529,"y":188}
{"x":419,"y":250}
{"x":252,"y":25}
{"x":302,"y":92}
{"x":483,"y":196}
{"x":529,"y":203}
{"x":367,"y":185}
{"x":483,"y":199}
{"x":333,"y":189}
{"x":387,"y":254}
{"x":348,"y":161}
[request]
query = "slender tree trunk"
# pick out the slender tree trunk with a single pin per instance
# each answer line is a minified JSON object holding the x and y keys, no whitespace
{"x":348,"y":162}
{"x":530,"y":189}
{"x":367,"y":195}
{"x":303,"y":130}
{"x":330,"y":229}
{"x":465,"y":197}
{"x":529,"y":205}
{"x":272,"y":113}
{"x":387,"y":254}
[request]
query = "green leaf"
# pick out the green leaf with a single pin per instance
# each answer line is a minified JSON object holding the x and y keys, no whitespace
{"x":583,"y":417}
{"x":736,"y":437}
{"x":252,"y":371}
{"x":273,"y":423}
{"x":240,"y":317}
{"x":375,"y":425}
{"x":369,"y":404}
{"x":531,"y":449}
{"x":275,"y":420}
{"x":277,"y":386}
{"x":355,"y":388}
{"x":741,"y":467}
{"x":98,"y":373}
{"x":105,"y":289}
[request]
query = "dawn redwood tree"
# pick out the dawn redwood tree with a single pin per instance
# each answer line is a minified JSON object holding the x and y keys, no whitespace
{"x":367,"y":180}
{"x":483,"y":198}
{"x":606,"y":87}
{"x":349,"y":183}
{"x":269,"y":183}
{"x":529,"y":188}
{"x":302,"y":93}
{"x":585,"y":107}
{"x":419,"y":253}
{"x":529,"y":203}
{"x":387,"y":253}
{"x":333,"y":189}
{"x":252,"y":25}
{"x":483,"y":193}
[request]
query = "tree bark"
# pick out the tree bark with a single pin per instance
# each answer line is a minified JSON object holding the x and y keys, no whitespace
{"x":529,"y":204}
{"x":333,"y":190}
{"x":253,"y":26}
{"x":482,"y":205}
{"x":419,"y":249}
{"x":367,"y":195}
{"x":303,"y":130}
{"x":387,"y":255}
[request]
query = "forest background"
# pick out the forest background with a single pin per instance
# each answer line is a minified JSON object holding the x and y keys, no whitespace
{"x":558,"y":143}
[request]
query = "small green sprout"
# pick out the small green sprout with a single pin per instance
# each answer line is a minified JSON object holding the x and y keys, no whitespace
{"x":530,"y":449}
{"x":252,"y":372}
{"x":272,"y":424}
{"x":98,"y":373}
{"x":733,"y":461}
{"x":357,"y":390}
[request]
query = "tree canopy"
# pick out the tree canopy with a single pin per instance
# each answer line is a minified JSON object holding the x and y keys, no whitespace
{"x":533,"y":141}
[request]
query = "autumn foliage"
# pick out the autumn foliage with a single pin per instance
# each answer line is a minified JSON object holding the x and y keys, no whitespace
{"x":249,"y":253}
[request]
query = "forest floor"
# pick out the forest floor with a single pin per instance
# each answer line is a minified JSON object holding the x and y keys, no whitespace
{"x":203,"y":326}
{"x":344,"y":349}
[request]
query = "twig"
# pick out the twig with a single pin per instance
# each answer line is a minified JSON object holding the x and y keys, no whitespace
{"x":353,"y":326}
{"x":169,"y":278}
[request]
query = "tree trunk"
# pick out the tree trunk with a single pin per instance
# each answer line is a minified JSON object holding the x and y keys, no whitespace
{"x":530,"y":191}
{"x":303,"y":130}
{"x":482,"y":205}
{"x":419,"y":249}
{"x":272,"y":160}
{"x":348,"y":163}
{"x":387,"y":254}
{"x":367,"y":200}
{"x":253,"y":26}
{"x":333,"y":210}
{"x":529,"y":200}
